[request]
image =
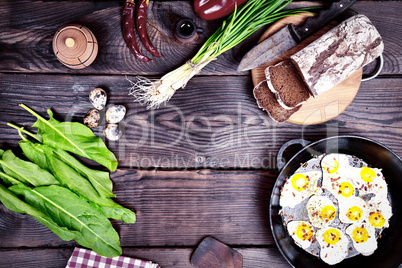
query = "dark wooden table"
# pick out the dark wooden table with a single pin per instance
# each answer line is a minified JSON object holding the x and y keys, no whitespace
{"x":205,"y":164}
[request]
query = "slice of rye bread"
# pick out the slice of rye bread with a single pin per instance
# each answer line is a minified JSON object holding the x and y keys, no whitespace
{"x":285,"y":81}
{"x":267,"y":101}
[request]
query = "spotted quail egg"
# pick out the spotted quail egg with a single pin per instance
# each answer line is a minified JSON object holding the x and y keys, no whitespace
{"x":115,"y":113}
{"x":98,"y":98}
{"x":92,"y":118}
{"x":112,"y":132}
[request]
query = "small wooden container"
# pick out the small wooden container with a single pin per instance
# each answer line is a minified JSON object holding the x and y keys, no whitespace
{"x":75,"y":46}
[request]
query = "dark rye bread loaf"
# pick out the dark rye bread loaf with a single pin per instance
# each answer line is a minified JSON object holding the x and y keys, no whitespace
{"x":267,"y":101}
{"x":341,"y":51}
{"x":284,"y":80}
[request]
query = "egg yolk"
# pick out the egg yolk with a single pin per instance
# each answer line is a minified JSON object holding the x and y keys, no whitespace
{"x":360,"y":235}
{"x":346,"y":189}
{"x":300,"y":182}
{"x":376,"y":219}
{"x":304,"y":231}
{"x":330,"y":165}
{"x":354,"y":213}
{"x":367,"y":174}
{"x":328,"y":213}
{"x":331,"y":236}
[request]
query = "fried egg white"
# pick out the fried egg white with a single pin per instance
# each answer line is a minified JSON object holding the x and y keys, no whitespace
{"x":353,"y":209}
{"x":362,"y":206}
{"x":369,"y":181}
{"x":342,"y":188}
{"x":380,"y":211}
{"x":333,"y":245}
{"x":363,"y":238}
{"x":334,"y":167}
{"x":321,"y":211}
{"x":302,"y":233}
{"x":299,"y":187}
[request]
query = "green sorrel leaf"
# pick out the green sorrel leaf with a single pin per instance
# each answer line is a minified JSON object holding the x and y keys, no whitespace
{"x":99,"y":179}
{"x":96,"y":231}
{"x":33,"y":152}
{"x":69,"y":177}
{"x":75,"y":138}
{"x":12,"y":202}
{"x":25,"y":171}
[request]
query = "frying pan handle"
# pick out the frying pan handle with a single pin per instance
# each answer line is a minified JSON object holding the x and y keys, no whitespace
{"x":279,"y":162}
{"x":376,"y":72}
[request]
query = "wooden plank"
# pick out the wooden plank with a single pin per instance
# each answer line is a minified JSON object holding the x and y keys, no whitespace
{"x":213,"y":123}
{"x":383,"y":18}
{"x":165,"y":257}
{"x":174,"y":208}
{"x":27,"y":36}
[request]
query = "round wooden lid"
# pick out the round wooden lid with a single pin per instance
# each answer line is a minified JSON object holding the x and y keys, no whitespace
{"x":75,"y":46}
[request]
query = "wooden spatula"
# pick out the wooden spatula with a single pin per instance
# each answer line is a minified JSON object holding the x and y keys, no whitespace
{"x":213,"y":253}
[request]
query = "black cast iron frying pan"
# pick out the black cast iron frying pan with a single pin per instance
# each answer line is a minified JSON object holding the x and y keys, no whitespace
{"x":389,"y":251}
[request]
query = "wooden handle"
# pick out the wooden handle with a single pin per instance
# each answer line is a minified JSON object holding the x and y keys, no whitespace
{"x":313,"y":24}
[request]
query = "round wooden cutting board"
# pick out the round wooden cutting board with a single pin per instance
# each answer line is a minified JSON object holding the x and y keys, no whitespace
{"x":328,"y":104}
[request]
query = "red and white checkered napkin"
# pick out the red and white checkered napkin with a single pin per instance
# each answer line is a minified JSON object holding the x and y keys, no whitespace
{"x":84,"y":258}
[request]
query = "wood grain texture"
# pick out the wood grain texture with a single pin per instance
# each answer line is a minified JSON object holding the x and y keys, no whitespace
{"x":392,"y":52}
{"x":213,"y":253}
{"x":166,"y":257}
{"x":174,"y":208}
{"x":317,"y":109}
{"x":205,"y":164}
{"x":75,"y":46}
{"x":213,"y":123}
{"x":28,"y":29}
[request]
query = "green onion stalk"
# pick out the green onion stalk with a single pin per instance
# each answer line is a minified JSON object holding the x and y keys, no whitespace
{"x":243,"y":22}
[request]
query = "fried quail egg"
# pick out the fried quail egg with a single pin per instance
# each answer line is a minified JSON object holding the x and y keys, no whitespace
{"x":353,"y":209}
{"x":380,"y":212}
{"x":347,"y":214}
{"x":332,"y":163}
{"x":299,"y":187}
{"x":369,"y":181}
{"x":342,"y":189}
{"x":333,"y":245}
{"x":363,"y":238}
{"x":302,"y":233}
{"x":321,"y":211}
{"x":334,"y":167}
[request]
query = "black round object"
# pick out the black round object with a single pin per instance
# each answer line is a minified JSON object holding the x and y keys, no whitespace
{"x":388,"y":253}
{"x":185,"y":28}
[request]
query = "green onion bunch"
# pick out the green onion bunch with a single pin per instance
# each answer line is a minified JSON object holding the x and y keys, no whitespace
{"x":243,"y":22}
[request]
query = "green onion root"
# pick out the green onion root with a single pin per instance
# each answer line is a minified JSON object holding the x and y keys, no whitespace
{"x":237,"y":27}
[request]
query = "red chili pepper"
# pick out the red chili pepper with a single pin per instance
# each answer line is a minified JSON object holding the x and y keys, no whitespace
{"x":215,"y":9}
{"x":141,"y":27}
{"x":128,"y":30}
